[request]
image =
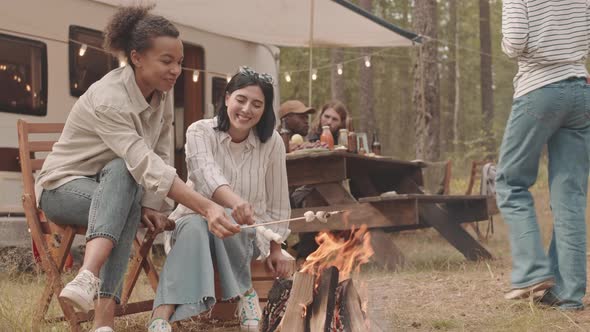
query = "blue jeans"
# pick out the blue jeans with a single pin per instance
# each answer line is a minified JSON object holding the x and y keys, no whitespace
{"x":110,"y":206}
{"x":187,"y":276}
{"x":556,"y":115}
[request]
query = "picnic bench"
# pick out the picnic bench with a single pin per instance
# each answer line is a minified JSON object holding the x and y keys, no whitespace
{"x":385,"y":194}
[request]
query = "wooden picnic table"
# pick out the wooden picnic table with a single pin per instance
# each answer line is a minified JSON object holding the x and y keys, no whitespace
{"x":370,"y":200}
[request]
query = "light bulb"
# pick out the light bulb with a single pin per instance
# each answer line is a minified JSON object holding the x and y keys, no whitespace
{"x":83,"y":49}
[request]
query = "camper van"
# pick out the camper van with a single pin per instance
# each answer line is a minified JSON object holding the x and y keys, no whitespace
{"x":50,"y":53}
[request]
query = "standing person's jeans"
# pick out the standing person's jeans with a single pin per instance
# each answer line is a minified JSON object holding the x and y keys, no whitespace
{"x":557,"y":115}
{"x":110,"y":206}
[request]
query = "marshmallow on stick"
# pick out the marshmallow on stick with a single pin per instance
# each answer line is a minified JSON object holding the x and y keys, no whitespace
{"x":308,"y":216}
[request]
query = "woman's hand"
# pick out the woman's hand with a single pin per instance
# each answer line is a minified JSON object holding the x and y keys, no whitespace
{"x":243,"y":213}
{"x":219,"y":223}
{"x":155,"y":221}
{"x":276,"y":262}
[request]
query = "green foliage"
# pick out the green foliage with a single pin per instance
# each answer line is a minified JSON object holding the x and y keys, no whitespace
{"x":393,"y":82}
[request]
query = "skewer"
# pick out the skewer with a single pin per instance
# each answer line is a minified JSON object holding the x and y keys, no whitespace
{"x":331,"y":213}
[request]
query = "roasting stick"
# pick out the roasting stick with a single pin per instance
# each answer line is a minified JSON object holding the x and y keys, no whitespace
{"x":327,"y":215}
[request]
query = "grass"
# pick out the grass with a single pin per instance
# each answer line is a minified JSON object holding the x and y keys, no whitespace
{"x":436,"y":290}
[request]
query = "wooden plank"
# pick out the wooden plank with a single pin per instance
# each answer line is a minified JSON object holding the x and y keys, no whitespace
{"x":300,"y":298}
{"x":301,"y":172}
{"x":438,"y":218}
{"x":352,"y":315}
{"x":322,"y":308}
{"x":45,"y":128}
{"x":41,"y":146}
{"x":334,"y":193}
{"x":399,"y":213}
{"x":36,"y":164}
{"x":386,"y":254}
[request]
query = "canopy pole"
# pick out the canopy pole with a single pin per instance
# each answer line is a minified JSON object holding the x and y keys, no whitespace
{"x":311,"y":22}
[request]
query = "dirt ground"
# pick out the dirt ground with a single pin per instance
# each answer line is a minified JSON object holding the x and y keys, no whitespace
{"x":437,"y":290}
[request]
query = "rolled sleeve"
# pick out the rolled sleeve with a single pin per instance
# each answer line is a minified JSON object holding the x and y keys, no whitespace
{"x":117,"y":131}
{"x":204,"y":172}
{"x":515,"y":27}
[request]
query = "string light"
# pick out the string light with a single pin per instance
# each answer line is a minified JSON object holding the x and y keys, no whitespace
{"x":314,"y":74}
{"x":83,"y":49}
{"x":28,"y":87}
{"x":339,"y":70}
{"x":228,"y":78}
{"x":195,"y":76}
{"x":122,"y":62}
{"x":367,"y":61}
{"x":288,"y":77}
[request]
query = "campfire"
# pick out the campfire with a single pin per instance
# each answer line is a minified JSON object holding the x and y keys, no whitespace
{"x":322,"y":296}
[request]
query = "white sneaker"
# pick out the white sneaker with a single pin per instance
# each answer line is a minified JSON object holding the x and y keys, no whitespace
{"x":80,"y":292}
{"x":104,"y":329}
{"x":160,"y":325}
{"x":249,"y":312}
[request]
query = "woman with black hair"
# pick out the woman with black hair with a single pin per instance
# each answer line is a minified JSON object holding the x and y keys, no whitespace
{"x":238,"y":160}
{"x":111,"y":166}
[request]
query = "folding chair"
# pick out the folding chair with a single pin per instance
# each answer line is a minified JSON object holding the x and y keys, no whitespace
{"x":53,"y":241}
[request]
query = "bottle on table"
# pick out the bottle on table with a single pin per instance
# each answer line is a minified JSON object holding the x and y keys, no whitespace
{"x":376,"y":146}
{"x":343,"y":137}
{"x":351,"y":136}
{"x":327,"y":138}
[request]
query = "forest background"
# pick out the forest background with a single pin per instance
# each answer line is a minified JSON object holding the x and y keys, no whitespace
{"x":447,"y":98}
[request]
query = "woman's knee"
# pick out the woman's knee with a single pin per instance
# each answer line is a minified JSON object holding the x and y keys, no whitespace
{"x":194,"y":226}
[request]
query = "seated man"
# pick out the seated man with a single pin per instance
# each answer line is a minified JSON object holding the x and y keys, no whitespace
{"x":295,"y":118}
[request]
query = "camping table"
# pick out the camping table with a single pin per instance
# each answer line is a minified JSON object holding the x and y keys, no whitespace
{"x":369,"y":180}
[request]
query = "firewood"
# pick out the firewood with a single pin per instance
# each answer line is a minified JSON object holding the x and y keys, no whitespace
{"x":352,"y":315}
{"x":322,"y":309}
{"x":300,"y":298}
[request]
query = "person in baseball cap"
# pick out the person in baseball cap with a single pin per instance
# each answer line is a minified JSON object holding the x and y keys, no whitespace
{"x":295,"y":116}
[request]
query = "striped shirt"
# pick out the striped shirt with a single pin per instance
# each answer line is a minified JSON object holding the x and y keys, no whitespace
{"x":550,"y":39}
{"x":259,"y":176}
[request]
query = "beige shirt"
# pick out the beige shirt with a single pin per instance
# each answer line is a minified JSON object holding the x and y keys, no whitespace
{"x":114,"y":120}
{"x":258,"y":176}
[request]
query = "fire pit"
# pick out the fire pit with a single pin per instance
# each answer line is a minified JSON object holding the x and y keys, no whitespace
{"x":322,"y":295}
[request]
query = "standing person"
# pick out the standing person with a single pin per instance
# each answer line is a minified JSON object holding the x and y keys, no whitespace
{"x":238,"y":160}
{"x":110,"y":168}
{"x":334,"y":115}
{"x":551,"y":106}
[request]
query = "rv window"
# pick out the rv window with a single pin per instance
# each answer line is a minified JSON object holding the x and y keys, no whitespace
{"x":217,"y":90}
{"x":23,"y":76}
{"x":88,"y":61}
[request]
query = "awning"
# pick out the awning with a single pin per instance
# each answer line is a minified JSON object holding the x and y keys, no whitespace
{"x":336,"y":23}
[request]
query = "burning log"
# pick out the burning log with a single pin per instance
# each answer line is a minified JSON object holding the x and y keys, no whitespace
{"x":300,"y":298}
{"x":324,"y":302}
{"x":351,"y":314}
{"x":333,"y":306}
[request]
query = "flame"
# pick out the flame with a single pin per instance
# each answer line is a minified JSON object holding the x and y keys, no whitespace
{"x":346,"y":254}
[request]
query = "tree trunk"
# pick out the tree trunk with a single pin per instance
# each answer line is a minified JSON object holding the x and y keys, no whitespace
{"x":454,"y":73}
{"x":487,"y":92}
{"x":426,"y":97}
{"x":337,"y":80}
{"x":366,"y":110}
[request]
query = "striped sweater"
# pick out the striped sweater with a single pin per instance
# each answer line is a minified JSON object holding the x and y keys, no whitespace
{"x":550,"y":39}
